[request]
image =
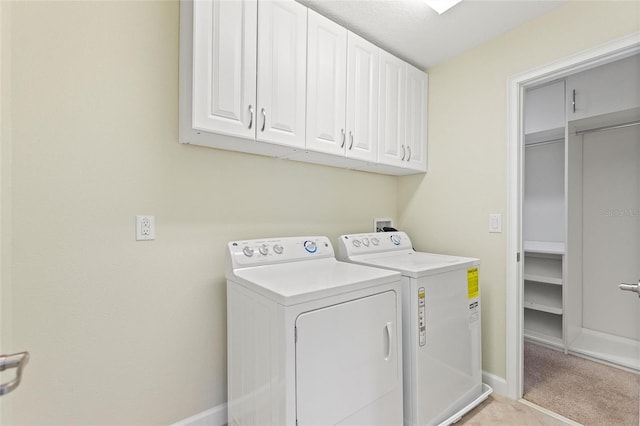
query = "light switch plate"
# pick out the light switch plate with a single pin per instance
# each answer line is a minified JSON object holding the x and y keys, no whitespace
{"x":495,"y":222}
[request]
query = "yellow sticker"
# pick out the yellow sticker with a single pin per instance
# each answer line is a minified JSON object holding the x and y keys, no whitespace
{"x":473,"y":288}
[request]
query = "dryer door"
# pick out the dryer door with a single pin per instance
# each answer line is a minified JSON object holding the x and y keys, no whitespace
{"x":348,"y":358}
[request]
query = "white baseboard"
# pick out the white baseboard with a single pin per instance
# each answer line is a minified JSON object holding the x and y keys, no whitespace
{"x":216,"y":416}
{"x":498,"y":384}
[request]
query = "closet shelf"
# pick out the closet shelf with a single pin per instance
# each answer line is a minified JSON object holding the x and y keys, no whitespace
{"x":543,"y":327}
{"x":545,"y":247}
{"x":543,"y":279}
{"x":542,"y":308}
{"x":542,"y":338}
{"x":544,"y":136}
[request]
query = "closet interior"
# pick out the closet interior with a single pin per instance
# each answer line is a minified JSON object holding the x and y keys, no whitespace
{"x":581,"y":213}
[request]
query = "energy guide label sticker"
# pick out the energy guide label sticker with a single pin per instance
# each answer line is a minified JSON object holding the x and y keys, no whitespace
{"x":472,"y":283}
{"x":474,"y":312}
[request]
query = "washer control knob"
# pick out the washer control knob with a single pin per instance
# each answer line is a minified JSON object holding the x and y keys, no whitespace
{"x":365,"y":241}
{"x":248,"y":251}
{"x":278,"y":249}
{"x":395,"y":239}
{"x":264,"y":249}
{"x":375,"y":241}
{"x":356,"y":243}
{"x":310,"y":246}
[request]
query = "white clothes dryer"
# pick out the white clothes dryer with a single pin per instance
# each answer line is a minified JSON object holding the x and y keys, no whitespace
{"x":311,"y":341}
{"x":442,"y":354}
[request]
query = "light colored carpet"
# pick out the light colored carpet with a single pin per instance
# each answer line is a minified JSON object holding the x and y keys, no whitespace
{"x":498,"y":410}
{"x":584,"y":391}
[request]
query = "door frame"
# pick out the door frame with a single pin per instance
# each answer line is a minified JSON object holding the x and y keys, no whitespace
{"x":517,"y":84}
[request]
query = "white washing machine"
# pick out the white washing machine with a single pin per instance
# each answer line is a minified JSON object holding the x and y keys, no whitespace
{"x":442,"y":355}
{"x":311,"y":341}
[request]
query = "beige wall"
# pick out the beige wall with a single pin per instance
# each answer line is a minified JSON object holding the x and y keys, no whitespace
{"x":126,"y":332}
{"x":447,"y":210}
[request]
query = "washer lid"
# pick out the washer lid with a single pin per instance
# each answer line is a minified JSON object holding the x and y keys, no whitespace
{"x":303,"y":281}
{"x":416,"y":264}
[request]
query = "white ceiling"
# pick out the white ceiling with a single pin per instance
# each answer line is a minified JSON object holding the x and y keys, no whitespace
{"x":414,"y":32}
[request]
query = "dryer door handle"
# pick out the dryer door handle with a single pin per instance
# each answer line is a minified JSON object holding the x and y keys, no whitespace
{"x":389,"y":336}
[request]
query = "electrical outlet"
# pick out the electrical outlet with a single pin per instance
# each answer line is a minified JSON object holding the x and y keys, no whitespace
{"x":145,"y":227}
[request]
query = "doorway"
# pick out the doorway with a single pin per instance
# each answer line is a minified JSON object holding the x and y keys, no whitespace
{"x":517,"y":86}
{"x":572,"y":303}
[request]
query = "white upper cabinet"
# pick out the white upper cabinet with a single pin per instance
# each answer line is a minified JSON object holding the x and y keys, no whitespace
{"x":402,"y":115}
{"x":391,"y":111}
{"x":362,"y":98}
{"x":342,"y":89}
{"x":326,"y":85}
{"x":224,"y":67}
{"x":608,"y":88}
{"x":282,"y":58}
{"x":278,"y":79}
{"x":416,"y":113}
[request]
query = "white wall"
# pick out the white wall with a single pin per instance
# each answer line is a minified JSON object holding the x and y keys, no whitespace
{"x":447,"y":210}
{"x":126,"y":332}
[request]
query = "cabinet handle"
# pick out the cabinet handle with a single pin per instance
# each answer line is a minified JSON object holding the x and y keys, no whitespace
{"x":251,"y":116}
{"x":264,"y":119}
{"x":409,"y":149}
{"x":344,"y":138}
{"x":351,"y":139}
{"x":404,"y":152}
{"x":573,"y":102}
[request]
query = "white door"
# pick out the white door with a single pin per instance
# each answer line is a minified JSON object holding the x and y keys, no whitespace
{"x":346,"y":358}
{"x":362,"y":98}
{"x":391,"y":111}
{"x":416,"y":118}
{"x":282,"y":49}
{"x":11,"y":365}
{"x":326,"y":85}
{"x":224,"y":67}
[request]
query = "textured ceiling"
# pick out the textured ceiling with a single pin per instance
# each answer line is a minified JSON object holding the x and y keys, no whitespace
{"x":414,"y":32}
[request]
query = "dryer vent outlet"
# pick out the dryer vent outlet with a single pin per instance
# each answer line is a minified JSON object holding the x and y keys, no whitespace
{"x":380,"y":223}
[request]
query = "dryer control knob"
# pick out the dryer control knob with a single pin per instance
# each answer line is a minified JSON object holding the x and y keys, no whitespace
{"x":356,"y":243}
{"x":278,"y":249}
{"x":248,"y":251}
{"x":375,"y":241}
{"x":264,"y":249}
{"x":365,"y":241}
{"x":310,"y":246}
{"x":395,"y":239}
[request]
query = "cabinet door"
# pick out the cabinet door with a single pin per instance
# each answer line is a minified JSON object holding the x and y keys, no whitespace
{"x":416,"y":117}
{"x":391,"y":111}
{"x":224,"y":66}
{"x":326,"y":85}
{"x":347,"y":358}
{"x":362,"y":98}
{"x":608,"y":88}
{"x":282,"y":49}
